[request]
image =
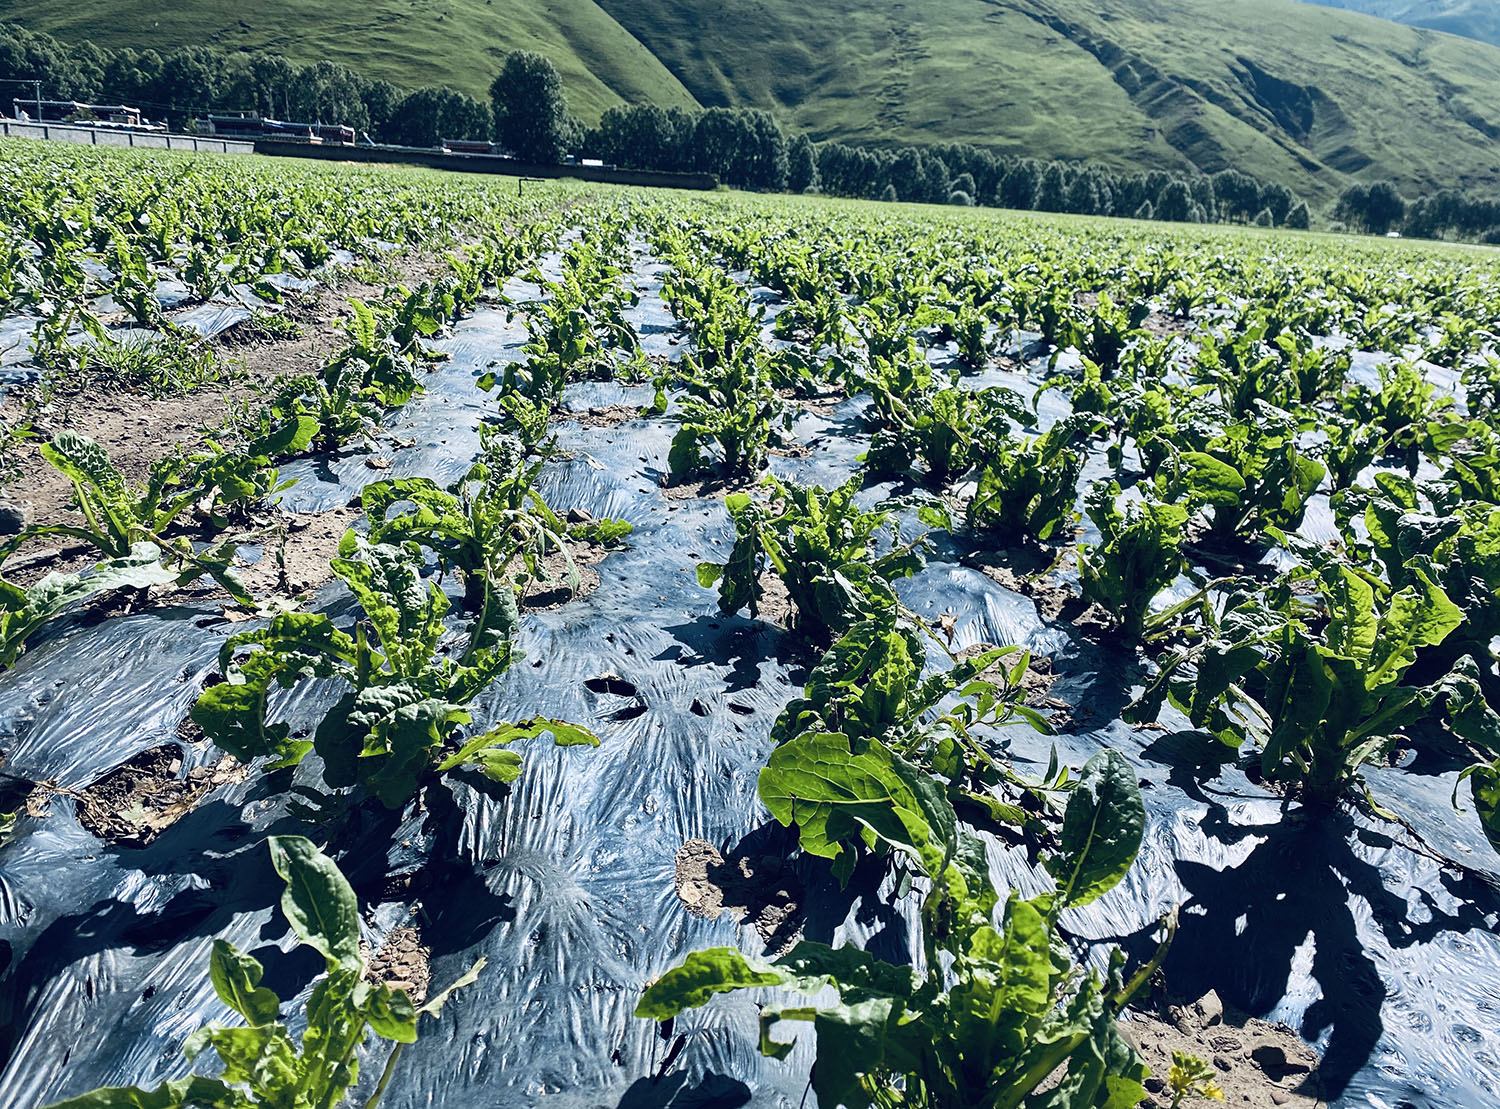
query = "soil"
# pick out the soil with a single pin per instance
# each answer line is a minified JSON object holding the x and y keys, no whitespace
{"x":604,"y":415}
{"x":820,"y":404}
{"x":554,"y":592}
{"x":1258,"y":1065}
{"x":305,"y":542}
{"x":137,"y":430}
{"x":401,"y":963}
{"x":1162,"y":325}
{"x":761,"y":891}
{"x":23,"y":797}
{"x":1023,"y":571}
{"x":710,"y":488}
{"x":134,"y":803}
{"x":775,"y":606}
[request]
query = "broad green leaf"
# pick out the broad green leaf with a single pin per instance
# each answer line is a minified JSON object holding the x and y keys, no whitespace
{"x":1484,"y":787}
{"x":236,"y":979}
{"x":481,"y":747}
{"x":1102,"y":830}
{"x":700,"y":976}
{"x":391,"y":1014}
{"x":1214,"y":481}
{"x":1298,"y":690}
{"x":831,"y":794}
{"x":1352,"y":624}
{"x":318,"y":902}
{"x":1421,"y":615}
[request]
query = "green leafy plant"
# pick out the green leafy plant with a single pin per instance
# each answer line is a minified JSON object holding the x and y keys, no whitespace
{"x":945,"y":430}
{"x":1000,"y":1006}
{"x":1426,"y":528}
{"x":1402,"y":407}
{"x":119,"y":518}
{"x":23,"y":611}
{"x":1027,"y":488}
{"x":493,"y":526}
{"x":1470,"y":716}
{"x":821,"y":545}
{"x":1138,"y":555}
{"x":233,"y":481}
{"x":407,"y":694}
{"x":1251,"y":474}
{"x":729,"y":418}
{"x":1314,"y":681}
{"x":873,"y":746}
{"x":264,"y":1065}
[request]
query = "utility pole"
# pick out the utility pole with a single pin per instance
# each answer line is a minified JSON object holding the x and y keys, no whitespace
{"x":36,"y":88}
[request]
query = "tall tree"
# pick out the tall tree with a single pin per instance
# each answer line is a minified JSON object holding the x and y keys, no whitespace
{"x":802,"y":165}
{"x":531,"y":113}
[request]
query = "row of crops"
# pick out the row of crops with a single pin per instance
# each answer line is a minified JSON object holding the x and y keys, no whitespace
{"x":854,"y":482}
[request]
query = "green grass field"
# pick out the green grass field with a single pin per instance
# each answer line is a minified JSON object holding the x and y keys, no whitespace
{"x":1293,"y":92}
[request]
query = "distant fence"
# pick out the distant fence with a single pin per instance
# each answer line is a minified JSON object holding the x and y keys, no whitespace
{"x":484,"y":163}
{"x":95,"y":136}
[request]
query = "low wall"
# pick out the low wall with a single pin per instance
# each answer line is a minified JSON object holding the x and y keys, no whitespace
{"x":93,"y":136}
{"x":484,"y":163}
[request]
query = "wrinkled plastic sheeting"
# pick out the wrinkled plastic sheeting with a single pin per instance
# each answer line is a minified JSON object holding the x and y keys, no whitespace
{"x":1386,"y":961}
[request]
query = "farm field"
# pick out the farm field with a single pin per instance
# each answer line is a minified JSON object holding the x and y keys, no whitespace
{"x":603,"y":647}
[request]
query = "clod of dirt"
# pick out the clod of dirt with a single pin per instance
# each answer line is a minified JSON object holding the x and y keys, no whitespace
{"x":602,"y":415}
{"x":134,"y":803}
{"x":775,"y":604}
{"x":295,"y":561}
{"x":1259,"y":1065}
{"x":401,"y":963}
{"x":14,"y":516}
{"x":555,"y":591}
{"x":762,"y":892}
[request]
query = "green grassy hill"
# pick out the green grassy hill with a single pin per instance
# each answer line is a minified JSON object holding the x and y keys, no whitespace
{"x":1290,"y":91}
{"x":408,"y":42}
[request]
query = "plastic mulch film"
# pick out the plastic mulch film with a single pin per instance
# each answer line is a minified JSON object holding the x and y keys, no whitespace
{"x":1387,"y":962}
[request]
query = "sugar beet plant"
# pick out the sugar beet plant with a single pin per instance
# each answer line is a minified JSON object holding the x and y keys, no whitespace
{"x":1138,"y":555}
{"x":821,"y":545}
{"x":492,"y":526}
{"x":262,"y":1065}
{"x":408,"y":683}
{"x":728,"y":408}
{"x":1314,"y":680}
{"x":999,"y":1008}
{"x":877,"y":753}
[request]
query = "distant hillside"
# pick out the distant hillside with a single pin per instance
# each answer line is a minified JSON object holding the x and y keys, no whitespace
{"x":1475,"y":19}
{"x":1288,"y":91}
{"x":408,"y":42}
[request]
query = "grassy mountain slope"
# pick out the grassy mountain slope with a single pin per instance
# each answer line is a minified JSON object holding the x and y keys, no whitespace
{"x":408,"y":42}
{"x":1290,"y":91}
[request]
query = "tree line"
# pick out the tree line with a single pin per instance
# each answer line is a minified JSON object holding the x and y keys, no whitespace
{"x":747,"y":148}
{"x":1379,"y":208}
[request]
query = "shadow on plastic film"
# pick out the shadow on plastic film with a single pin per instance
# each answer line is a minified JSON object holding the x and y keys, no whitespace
{"x":1244,"y":929}
{"x":677,"y":1091}
{"x":736,"y":644}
